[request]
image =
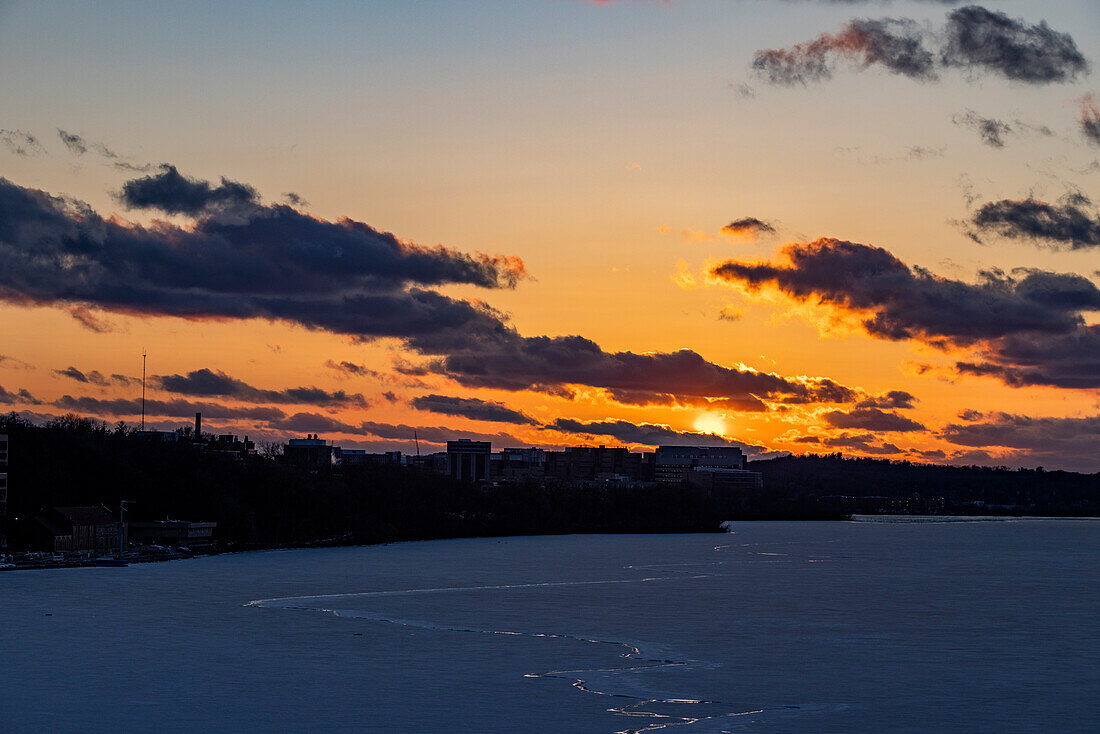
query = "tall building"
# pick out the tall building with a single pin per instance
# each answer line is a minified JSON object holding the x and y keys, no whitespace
{"x":310,"y":451}
{"x":467,"y":460}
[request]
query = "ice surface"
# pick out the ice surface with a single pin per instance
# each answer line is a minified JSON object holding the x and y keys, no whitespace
{"x":776,"y":627}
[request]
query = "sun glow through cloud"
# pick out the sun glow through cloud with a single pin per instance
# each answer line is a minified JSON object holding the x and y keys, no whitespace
{"x":710,"y":423}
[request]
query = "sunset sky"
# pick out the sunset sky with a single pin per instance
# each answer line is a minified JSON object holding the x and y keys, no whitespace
{"x":806,"y":227}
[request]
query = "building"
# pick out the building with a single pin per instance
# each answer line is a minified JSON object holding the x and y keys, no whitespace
{"x":436,"y":463}
{"x":673,"y":464}
{"x":517,"y":465}
{"x":468,"y":461}
{"x":161,"y":436}
{"x":75,"y":529}
{"x":310,"y":452}
{"x":359,"y":457}
{"x":723,"y":479}
{"x":231,"y":444}
{"x":180,"y":533}
{"x":589,"y":463}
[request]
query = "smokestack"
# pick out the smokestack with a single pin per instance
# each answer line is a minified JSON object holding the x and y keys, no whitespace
{"x":198,"y":426}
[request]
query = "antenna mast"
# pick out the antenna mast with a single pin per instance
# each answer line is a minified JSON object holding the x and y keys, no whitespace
{"x":417,"y":441}
{"x":143,"y":388}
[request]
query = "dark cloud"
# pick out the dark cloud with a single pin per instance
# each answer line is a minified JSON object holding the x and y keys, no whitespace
{"x":871,"y":419}
{"x":1090,"y":120}
{"x":1069,"y":361}
{"x":435,"y":434}
{"x":1031,"y":320}
{"x":971,"y":415}
{"x":542,"y":363}
{"x":312,"y":423}
{"x":173,"y":193}
{"x":206,"y":382}
{"x":913,"y":303}
{"x":21,"y":143}
{"x":472,"y":408}
{"x":19,"y":396}
{"x":1066,"y":224}
{"x":277,"y":263}
{"x":95,"y":377}
{"x":978,"y":38}
{"x":1070,"y":442}
{"x":74,"y":374}
{"x":166,"y":408}
{"x":748,"y":227}
{"x":892,"y":399}
{"x":973,"y":38}
{"x":647,"y":434}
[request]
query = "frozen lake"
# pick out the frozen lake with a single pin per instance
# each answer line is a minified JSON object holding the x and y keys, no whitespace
{"x":775,"y":627}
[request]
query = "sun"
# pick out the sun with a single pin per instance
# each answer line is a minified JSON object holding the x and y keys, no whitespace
{"x":710,"y":423}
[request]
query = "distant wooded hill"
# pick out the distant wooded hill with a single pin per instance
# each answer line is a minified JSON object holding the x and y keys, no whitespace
{"x":961,"y":488}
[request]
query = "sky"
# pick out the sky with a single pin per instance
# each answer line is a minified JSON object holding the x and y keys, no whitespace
{"x":805,"y":227}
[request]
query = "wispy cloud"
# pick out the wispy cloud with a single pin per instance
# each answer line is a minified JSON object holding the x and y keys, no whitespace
{"x":994,"y":132}
{"x":21,"y":143}
{"x":1090,"y":119}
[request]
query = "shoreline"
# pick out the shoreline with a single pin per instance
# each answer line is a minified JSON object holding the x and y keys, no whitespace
{"x":181,"y":554}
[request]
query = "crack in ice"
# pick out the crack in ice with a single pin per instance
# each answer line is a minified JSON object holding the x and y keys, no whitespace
{"x":640,"y":708}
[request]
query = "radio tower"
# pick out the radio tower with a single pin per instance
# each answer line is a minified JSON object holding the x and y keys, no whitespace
{"x":143,"y":389}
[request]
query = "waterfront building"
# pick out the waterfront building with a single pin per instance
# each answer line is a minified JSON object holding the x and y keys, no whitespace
{"x":180,"y":533}
{"x":91,"y":528}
